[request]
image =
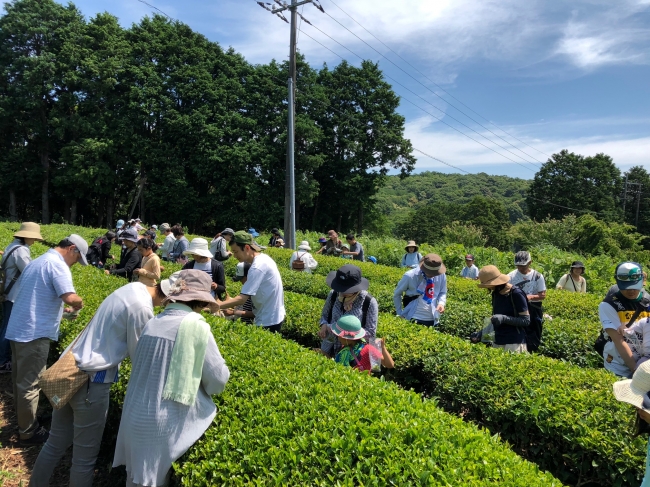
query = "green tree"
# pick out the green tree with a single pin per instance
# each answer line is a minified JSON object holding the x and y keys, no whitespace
{"x":638,"y":174}
{"x":570,"y":183}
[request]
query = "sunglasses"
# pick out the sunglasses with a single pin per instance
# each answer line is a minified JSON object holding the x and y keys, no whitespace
{"x":629,"y":277}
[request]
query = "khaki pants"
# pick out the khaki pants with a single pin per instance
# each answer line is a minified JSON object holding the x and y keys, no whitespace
{"x":28,"y":362}
{"x":513,"y":347}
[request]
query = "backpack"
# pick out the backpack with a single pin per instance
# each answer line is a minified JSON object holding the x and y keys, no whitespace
{"x":364,"y":308}
{"x":218,"y":255}
{"x":4,"y":290}
{"x":298,"y":264}
{"x":94,"y":254}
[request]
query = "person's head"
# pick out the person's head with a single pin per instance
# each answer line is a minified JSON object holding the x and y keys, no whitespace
{"x":332,"y":235}
{"x":577,"y":268}
{"x":432,"y":265}
{"x":491,"y":278}
{"x":178,"y":231}
{"x":73,"y":249}
{"x":241,"y":273}
{"x":350,"y":238}
{"x":346,"y":246}
{"x":111,"y":236}
{"x":145,"y":246}
{"x":153,"y":228}
{"x":523,"y":261}
{"x":129,"y":238}
{"x":304,"y":246}
{"x":199,"y":250}
{"x":322,"y":241}
{"x":348,"y":329}
{"x":275,"y":231}
{"x":227,"y":234}
{"x":243,"y":247}
{"x":411,"y":247}
{"x":119,"y":224}
{"x":347,"y":280}
{"x":469,"y":260}
{"x":635,"y":391}
{"x":150,"y":234}
{"x":28,"y":233}
{"x":190,"y":287}
{"x":629,"y":278}
{"x":279,"y":242}
{"x":166,"y":228}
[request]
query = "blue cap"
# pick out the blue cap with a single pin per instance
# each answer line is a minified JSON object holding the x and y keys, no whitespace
{"x":372,"y":259}
{"x":120,"y":224}
{"x":253,"y":232}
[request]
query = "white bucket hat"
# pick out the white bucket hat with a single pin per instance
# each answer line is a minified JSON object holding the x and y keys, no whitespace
{"x":304,"y":245}
{"x":635,"y":390}
{"x":198,"y":246}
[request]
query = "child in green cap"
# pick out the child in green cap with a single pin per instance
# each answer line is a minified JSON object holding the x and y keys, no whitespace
{"x":356,"y":352}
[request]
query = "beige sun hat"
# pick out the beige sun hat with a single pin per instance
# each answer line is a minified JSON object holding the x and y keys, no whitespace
{"x":633,"y":391}
{"x":198,"y":246}
{"x":29,"y":230}
{"x":412,"y":244}
{"x":490,"y":275}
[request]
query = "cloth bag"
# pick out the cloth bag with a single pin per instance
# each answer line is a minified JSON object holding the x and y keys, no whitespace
{"x":62,"y":381}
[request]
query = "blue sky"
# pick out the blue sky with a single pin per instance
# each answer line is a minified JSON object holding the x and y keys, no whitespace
{"x":554,"y":74}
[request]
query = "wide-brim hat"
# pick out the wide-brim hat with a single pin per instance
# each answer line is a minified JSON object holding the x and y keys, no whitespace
{"x":304,"y":245}
{"x":188,"y":285}
{"x":635,"y":390}
{"x":246,"y":238}
{"x":432,"y":265}
{"x":164,"y":227}
{"x":412,"y":244}
{"x":227,"y":231}
{"x":577,"y":264}
{"x":490,"y":275}
{"x":130,"y":234}
{"x":198,"y":246}
{"x":29,"y":230}
{"x":348,"y":326}
{"x":347,"y":279}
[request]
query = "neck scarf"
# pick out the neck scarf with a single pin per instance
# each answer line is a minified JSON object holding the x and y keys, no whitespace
{"x":348,"y":301}
{"x":426,"y":288}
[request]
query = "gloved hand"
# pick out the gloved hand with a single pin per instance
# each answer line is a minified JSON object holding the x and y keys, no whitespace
{"x":498,"y":320}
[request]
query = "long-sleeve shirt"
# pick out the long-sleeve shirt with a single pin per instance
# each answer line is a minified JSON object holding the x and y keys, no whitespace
{"x":167,"y":245}
{"x":306,"y":257}
{"x":17,"y":261}
{"x":113,"y":332}
{"x":409,"y":284}
{"x":372,"y":316}
{"x":218,"y":249}
{"x":215,"y":270}
{"x":180,"y":246}
{"x":151,"y":264}
{"x":130,"y":261}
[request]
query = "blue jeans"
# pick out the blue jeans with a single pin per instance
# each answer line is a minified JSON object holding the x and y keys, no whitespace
{"x":5,"y":346}
{"x":427,"y":323}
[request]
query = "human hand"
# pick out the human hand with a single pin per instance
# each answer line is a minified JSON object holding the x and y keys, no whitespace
{"x":621,"y":330}
{"x":497,"y":319}
{"x":440,"y":308}
{"x":107,"y":272}
{"x":322,"y":333}
{"x":213,"y":286}
{"x":531,"y":297}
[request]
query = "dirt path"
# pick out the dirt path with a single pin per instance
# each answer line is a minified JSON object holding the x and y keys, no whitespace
{"x":16,"y":462}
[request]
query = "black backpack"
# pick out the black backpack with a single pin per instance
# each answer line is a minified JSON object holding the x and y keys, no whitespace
{"x":94,"y":255}
{"x":364,"y":308}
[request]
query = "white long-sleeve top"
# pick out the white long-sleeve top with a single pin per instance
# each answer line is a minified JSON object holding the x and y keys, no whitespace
{"x":306,"y":257}
{"x":155,"y":432}
{"x":409,"y":283}
{"x":113,"y":332}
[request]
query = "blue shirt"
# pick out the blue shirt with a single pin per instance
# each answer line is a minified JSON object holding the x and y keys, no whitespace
{"x":470,"y":272}
{"x":38,"y":307}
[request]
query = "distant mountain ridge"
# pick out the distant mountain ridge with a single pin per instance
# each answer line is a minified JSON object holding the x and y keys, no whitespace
{"x":400,"y":197}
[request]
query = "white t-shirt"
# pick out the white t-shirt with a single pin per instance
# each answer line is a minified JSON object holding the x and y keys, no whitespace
{"x":264,"y":286}
{"x":531,"y":283}
{"x":637,"y":337}
{"x":113,"y":332}
{"x":38,"y":307}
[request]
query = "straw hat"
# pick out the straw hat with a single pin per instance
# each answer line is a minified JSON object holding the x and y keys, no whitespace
{"x":348,"y":326}
{"x":29,"y":230}
{"x":188,"y":285}
{"x":412,"y":244}
{"x":490,"y":276}
{"x":635,"y":390}
{"x":304,"y":245}
{"x":198,"y":246}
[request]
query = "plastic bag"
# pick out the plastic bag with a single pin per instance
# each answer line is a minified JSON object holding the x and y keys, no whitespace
{"x":487,"y":334}
{"x":375,"y":354}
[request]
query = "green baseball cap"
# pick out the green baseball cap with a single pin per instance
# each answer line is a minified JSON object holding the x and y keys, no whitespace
{"x":244,"y":238}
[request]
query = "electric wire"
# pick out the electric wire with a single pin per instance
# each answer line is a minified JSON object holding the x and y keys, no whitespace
{"x":436,"y":94}
{"x":415,"y":104}
{"x":443,"y":90}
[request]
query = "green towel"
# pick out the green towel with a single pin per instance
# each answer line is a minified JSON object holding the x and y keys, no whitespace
{"x":186,"y":366}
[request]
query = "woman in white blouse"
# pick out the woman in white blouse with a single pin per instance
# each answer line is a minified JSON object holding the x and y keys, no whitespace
{"x":573,"y":281}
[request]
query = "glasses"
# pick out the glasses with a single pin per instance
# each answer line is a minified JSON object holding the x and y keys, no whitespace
{"x":629,"y":277}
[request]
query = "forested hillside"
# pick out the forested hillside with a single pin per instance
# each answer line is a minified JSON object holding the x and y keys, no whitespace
{"x":400,"y":197}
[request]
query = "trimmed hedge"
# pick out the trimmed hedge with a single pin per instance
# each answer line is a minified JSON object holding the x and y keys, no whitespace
{"x":291,"y":417}
{"x":563,"y":417}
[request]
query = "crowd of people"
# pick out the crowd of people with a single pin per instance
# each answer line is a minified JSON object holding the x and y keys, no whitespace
{"x":176,"y":363}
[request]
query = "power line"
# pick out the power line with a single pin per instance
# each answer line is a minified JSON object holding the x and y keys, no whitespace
{"x":437,"y":85}
{"x":413,"y":103}
{"x":156,"y":8}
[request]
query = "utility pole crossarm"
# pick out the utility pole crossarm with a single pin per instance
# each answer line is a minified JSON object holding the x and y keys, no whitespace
{"x":276,"y":10}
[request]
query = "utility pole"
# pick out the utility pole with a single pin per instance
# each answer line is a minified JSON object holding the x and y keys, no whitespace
{"x":290,"y":183}
{"x":624,"y":195}
{"x":635,"y":189}
{"x":638,"y":203}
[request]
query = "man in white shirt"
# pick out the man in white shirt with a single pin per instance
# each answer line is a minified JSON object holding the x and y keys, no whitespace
{"x":263,"y":285}
{"x":421,"y":294}
{"x":34,"y":323}
{"x":470,"y":271}
{"x":168,"y":244}
{"x":111,"y":335}
{"x":532,"y":283}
